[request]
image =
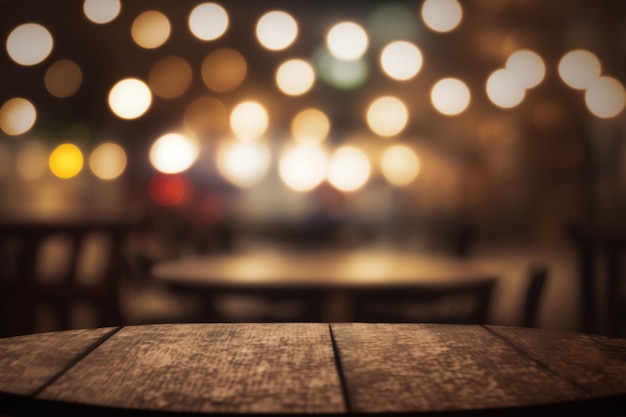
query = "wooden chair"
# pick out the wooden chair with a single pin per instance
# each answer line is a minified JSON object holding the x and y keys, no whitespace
{"x":57,"y":271}
{"x":467,"y":303}
{"x":601,"y":254}
{"x":537,"y":277}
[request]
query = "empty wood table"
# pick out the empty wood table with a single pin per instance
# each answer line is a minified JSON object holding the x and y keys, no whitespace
{"x":312,"y":368}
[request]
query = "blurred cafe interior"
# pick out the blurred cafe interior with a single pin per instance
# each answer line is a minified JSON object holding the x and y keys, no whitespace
{"x":482,"y":130}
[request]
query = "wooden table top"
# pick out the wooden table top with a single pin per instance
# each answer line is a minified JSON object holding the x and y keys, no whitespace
{"x":305,"y":368}
{"x":330,"y":269}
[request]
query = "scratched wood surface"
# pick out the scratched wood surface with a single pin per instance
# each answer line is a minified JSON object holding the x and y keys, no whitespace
{"x":238,"y":368}
{"x":28,"y":362}
{"x":425,"y":367}
{"x":593,"y":362}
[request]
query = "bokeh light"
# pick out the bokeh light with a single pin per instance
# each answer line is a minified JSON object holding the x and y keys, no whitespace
{"x":392,"y":21}
{"x":347,"y":41}
{"x":206,"y":116}
{"x":310,"y":126}
{"x":249,"y":120}
{"x":295,"y":77}
{"x":450,"y":96}
{"x":66,"y":161}
{"x":605,"y":97}
{"x":173,"y":153}
{"x":31,"y":161}
{"x":503,"y":91}
{"x":170,"y":190}
{"x":29,"y":44}
{"x":151,"y":29}
{"x":17,"y":116}
{"x":208,"y":21}
{"x":170,"y":77}
{"x":441,"y":15}
{"x":108,"y":161}
{"x":63,"y":78}
{"x":526,"y":67}
{"x":349,"y":169}
{"x":400,"y":165}
{"x":130,"y":98}
{"x":387,"y":116}
{"x":224,"y":70}
{"x":276,"y":30}
{"x":401,"y":60}
{"x":343,"y":75}
{"x":579,"y":68}
{"x":244,"y":164}
{"x":101,"y":11}
{"x":303,"y":167}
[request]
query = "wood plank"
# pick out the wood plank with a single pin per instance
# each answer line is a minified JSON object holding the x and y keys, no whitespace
{"x":217,"y":367}
{"x":594,"y":362}
{"x":433,"y":368}
{"x":28,"y":362}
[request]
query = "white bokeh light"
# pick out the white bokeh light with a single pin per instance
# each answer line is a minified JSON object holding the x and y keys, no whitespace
{"x":249,"y":120}
{"x":605,"y":97}
{"x":387,"y":116}
{"x":17,"y":116}
{"x":347,"y":41}
{"x":303,"y":167}
{"x":401,"y":60}
{"x":173,"y":153}
{"x":450,"y":96}
{"x":527,"y":67}
{"x":130,"y":98}
{"x":441,"y":15}
{"x":503,"y":90}
{"x":208,"y":21}
{"x":244,"y":164}
{"x":400,"y":165}
{"x":29,"y":44}
{"x":101,"y":11}
{"x":276,"y":30}
{"x":295,"y":77}
{"x":579,"y":68}
{"x":349,"y":169}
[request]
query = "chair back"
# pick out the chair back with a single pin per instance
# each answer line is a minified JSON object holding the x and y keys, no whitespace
{"x":55,"y":273}
{"x":537,"y":277}
{"x":601,"y":252}
{"x":466,"y":303}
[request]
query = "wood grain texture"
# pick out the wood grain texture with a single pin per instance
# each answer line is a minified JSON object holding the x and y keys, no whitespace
{"x":593,"y":362}
{"x":28,"y":362}
{"x":222,"y":368}
{"x":432,"y":368}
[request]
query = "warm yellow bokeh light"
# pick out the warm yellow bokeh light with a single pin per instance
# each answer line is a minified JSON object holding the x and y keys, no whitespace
{"x":170,"y":77}
{"x":101,"y":11}
{"x":347,"y":41}
{"x":29,"y":44}
{"x":503,"y":90}
{"x":295,"y":77}
{"x":63,"y":78}
{"x":401,"y":60}
{"x":387,"y":116}
{"x":450,"y":96}
{"x":249,"y":120}
{"x":108,"y":161}
{"x":400,"y":165}
{"x":349,"y":169}
{"x":605,"y":97}
{"x":526,"y":67}
{"x":151,"y":29}
{"x":276,"y":30}
{"x":66,"y":161}
{"x":579,"y":68}
{"x":130,"y":98}
{"x":303,"y":167}
{"x":17,"y":116}
{"x":244,"y":164}
{"x":173,"y":153}
{"x":208,"y":21}
{"x":310,"y":126}
{"x":224,"y":70}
